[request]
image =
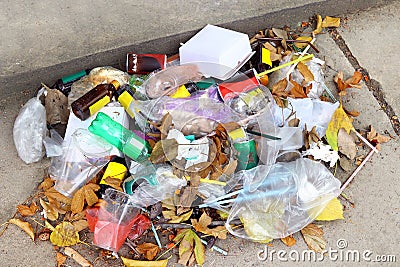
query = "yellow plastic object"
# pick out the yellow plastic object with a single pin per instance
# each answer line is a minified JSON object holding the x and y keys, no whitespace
{"x":114,"y":170}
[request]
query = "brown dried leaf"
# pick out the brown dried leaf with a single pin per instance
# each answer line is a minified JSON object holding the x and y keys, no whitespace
{"x":80,"y":225}
{"x":230,"y":168}
{"x":319,"y":25}
{"x":377,"y":138}
{"x":50,"y":212}
{"x":85,"y":194}
{"x":60,"y":259}
{"x":164,"y":150}
{"x":78,"y":201}
{"x":202,"y":224}
{"x":166,"y":124}
{"x":278,"y":89}
{"x":54,"y":194}
{"x":297,"y":90}
{"x":149,"y":250}
{"x":294,"y":122}
{"x":77,"y":257}
{"x":351,"y":82}
{"x":189,"y":194}
{"x":313,"y":236}
{"x":354,"y":80}
{"x":330,"y":22}
{"x":56,"y":104}
{"x":27,"y":211}
{"x":270,"y":47}
{"x":305,"y":71}
{"x":46,"y":184}
{"x":289,"y":240}
{"x":24,"y":226}
{"x":114,"y":183}
{"x":346,"y":144}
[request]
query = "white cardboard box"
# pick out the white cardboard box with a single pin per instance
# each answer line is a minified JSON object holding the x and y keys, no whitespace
{"x":218,"y":52}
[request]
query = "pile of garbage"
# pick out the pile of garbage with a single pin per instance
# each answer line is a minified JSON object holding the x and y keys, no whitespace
{"x":229,"y":136}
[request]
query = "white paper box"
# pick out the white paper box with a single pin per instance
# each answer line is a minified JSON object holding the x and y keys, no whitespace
{"x":218,"y":52}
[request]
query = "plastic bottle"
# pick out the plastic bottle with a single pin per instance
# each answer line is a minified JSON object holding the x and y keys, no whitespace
{"x":125,"y":140}
{"x":124,"y":96}
{"x":94,"y":100}
{"x":64,"y":84}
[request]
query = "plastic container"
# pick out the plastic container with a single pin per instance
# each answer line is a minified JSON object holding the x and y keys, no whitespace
{"x":125,"y":140}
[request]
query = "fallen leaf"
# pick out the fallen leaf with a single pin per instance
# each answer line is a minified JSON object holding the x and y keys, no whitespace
{"x":201,"y":225}
{"x":310,"y":136}
{"x":171,"y":214}
{"x":278,"y":92}
{"x":302,"y":38}
{"x":46,"y":184}
{"x":346,"y":144}
{"x":305,"y":71}
{"x":85,"y":194}
{"x":230,"y":168}
{"x":80,"y":225}
{"x":114,"y":183}
{"x":332,"y":211}
{"x":56,"y":104}
{"x":77,"y":257}
{"x":289,"y":240}
{"x":149,"y":250}
{"x":345,"y":163}
{"x":190,"y":244}
{"x":351,"y":82}
{"x":49,"y":211}
{"x":188,"y":196}
{"x":24,"y":226}
{"x":354,"y":80}
{"x":64,"y":235}
{"x":60,"y":259}
{"x":27,"y":211}
{"x":330,"y":22}
{"x":166,"y":124}
{"x":136,"y":263}
{"x":318,"y":29}
{"x":375,"y":138}
{"x":313,"y":236}
{"x":294,"y":122}
{"x":164,"y":150}
{"x":53,"y":194}
{"x":339,"y":120}
{"x":297,"y":90}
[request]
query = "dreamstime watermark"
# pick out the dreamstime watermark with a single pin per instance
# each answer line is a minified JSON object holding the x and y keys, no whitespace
{"x":339,"y":254}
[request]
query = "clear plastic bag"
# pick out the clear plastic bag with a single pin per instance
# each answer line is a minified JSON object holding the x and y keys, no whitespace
{"x":30,"y":129}
{"x":84,"y":156}
{"x":53,"y":144}
{"x":292,"y":196}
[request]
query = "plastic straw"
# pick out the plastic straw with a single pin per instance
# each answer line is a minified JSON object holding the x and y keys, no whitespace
{"x":285,"y":65}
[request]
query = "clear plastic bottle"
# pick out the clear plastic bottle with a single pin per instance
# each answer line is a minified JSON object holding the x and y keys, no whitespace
{"x":125,"y":140}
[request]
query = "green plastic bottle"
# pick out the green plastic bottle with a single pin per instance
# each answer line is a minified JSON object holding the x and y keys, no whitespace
{"x":125,"y":140}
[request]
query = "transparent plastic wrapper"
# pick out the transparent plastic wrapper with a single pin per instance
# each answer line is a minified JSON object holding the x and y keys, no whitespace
{"x":53,"y":144}
{"x":84,"y":156}
{"x":292,"y":196}
{"x":166,"y":82}
{"x":116,"y":217}
{"x":96,"y":76}
{"x":30,"y":130}
{"x":197,"y":115}
{"x":157,"y":183}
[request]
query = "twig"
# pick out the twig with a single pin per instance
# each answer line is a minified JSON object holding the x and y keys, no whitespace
{"x":174,"y":225}
{"x":357,"y":170}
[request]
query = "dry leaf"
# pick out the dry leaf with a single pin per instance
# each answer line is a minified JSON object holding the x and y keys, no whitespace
{"x":136,"y":263}
{"x":164,"y":150}
{"x":339,"y":120}
{"x":345,"y":163}
{"x":149,"y":250}
{"x":77,"y":257}
{"x":170,"y":214}
{"x":49,"y":211}
{"x":230,"y":168}
{"x":27,"y":211}
{"x":56,"y":104}
{"x":302,"y":38}
{"x":305,"y":71}
{"x":313,"y":236}
{"x":46,"y":184}
{"x":189,"y":194}
{"x":80,"y":225}
{"x":64,"y":235}
{"x":166,"y":124}
{"x":278,"y":92}
{"x":297,"y":90}
{"x":202,"y":226}
{"x":114,"y":183}
{"x":289,"y":240}
{"x":294,"y":122}
{"x":319,"y":25}
{"x":85,"y":194}
{"x":346,"y":144}
{"x":330,"y":22}
{"x":310,"y":137}
{"x":375,"y":138}
{"x":60,"y":259}
{"x":332,"y":211}
{"x":53,"y":194}
{"x":24,"y":226}
{"x":351,"y":82}
{"x":190,"y":244}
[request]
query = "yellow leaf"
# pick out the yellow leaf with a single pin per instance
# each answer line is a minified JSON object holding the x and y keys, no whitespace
{"x":333,"y":211}
{"x":302,"y":38}
{"x":319,"y":25}
{"x":202,"y":226}
{"x":77,"y":257}
{"x":330,"y":22}
{"x":86,"y":193}
{"x":46,"y":184}
{"x":64,"y":235}
{"x":136,"y":263}
{"x":289,"y":240}
{"x":305,"y":71}
{"x":339,"y":120}
{"x":313,"y":236}
{"x":181,"y":218}
{"x":60,"y":259}
{"x":49,"y":211}
{"x":24,"y":226}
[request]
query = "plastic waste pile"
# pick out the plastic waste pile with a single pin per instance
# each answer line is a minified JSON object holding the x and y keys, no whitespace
{"x":171,"y":138}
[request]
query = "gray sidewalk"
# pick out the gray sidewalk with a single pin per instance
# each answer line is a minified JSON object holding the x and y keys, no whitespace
{"x":369,"y":40}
